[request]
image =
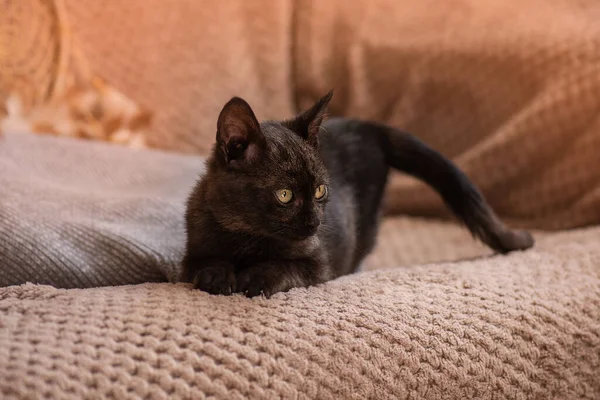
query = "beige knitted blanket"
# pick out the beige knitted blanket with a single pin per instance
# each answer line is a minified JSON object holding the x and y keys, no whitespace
{"x":507,"y":89}
{"x":524,"y":326}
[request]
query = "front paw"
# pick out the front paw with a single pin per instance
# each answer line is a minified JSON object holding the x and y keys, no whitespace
{"x":255,"y":281}
{"x":217,"y":278}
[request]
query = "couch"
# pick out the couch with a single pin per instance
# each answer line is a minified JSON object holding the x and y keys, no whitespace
{"x":91,"y":233}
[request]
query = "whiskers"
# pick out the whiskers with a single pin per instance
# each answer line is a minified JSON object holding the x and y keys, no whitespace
{"x":330,"y":229}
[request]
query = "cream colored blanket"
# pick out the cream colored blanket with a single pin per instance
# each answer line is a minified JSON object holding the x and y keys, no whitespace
{"x":523,"y":326}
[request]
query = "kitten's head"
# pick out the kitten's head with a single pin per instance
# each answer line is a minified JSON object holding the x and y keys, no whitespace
{"x":268,"y":178}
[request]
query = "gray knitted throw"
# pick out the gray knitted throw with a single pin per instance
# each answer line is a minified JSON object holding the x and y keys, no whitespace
{"x":79,"y":214}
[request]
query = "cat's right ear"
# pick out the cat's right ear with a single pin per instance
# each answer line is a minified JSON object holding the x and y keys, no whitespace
{"x":308,"y":123}
{"x":239,"y":138}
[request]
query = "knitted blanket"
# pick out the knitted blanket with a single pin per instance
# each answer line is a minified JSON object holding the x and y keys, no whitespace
{"x":74,"y":213}
{"x":507,"y":90}
{"x":522,"y":326}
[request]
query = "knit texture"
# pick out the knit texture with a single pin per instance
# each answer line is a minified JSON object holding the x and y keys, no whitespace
{"x":522,"y":326}
{"x":81,"y":214}
{"x":509,"y":91}
{"x":78,"y":214}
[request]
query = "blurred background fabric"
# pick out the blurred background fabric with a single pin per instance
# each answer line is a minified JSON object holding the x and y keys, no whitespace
{"x":508,"y":90}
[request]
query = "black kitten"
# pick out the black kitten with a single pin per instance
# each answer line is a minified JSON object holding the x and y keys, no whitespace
{"x":296,"y":203}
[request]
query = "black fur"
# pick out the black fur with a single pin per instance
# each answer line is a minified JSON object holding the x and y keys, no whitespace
{"x":241,"y":238}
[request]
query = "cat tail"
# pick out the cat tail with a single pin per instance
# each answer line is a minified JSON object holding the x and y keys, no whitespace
{"x":410,"y":155}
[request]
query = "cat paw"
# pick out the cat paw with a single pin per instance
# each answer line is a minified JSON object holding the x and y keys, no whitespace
{"x":216,"y":279}
{"x":256,"y":281}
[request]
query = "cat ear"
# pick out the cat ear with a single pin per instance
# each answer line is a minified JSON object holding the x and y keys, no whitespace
{"x":308,"y":123}
{"x":239,"y":138}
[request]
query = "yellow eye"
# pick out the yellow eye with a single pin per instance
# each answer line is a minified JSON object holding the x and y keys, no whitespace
{"x":321,"y":192}
{"x":284,"y":195}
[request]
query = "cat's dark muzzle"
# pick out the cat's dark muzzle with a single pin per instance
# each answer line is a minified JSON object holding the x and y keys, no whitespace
{"x":304,"y":232}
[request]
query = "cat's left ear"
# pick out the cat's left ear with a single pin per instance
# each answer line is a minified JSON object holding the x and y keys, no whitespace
{"x":240,"y":140}
{"x":308,"y":123}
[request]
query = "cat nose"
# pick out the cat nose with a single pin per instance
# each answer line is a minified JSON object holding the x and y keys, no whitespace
{"x":312,"y":223}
